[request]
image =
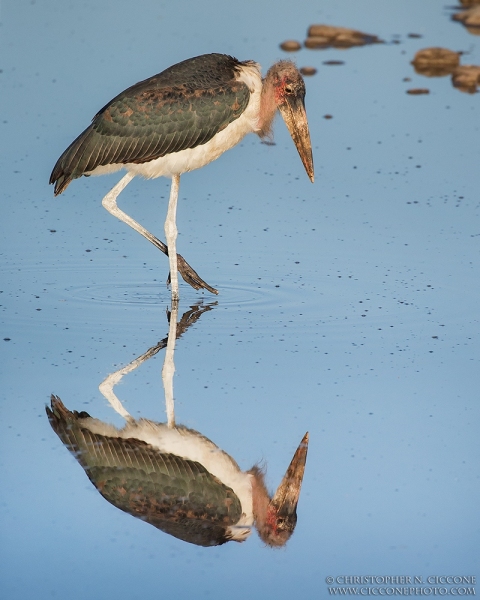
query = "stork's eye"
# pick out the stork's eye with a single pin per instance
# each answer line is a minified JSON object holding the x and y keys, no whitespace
{"x":289,"y":89}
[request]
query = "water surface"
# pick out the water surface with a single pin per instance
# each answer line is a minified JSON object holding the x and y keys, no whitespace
{"x":348,"y":308}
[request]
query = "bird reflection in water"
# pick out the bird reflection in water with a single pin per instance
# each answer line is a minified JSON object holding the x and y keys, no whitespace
{"x":173,"y":477}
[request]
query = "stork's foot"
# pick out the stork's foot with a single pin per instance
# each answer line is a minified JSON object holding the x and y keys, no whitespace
{"x":185,"y":270}
{"x":191,"y":276}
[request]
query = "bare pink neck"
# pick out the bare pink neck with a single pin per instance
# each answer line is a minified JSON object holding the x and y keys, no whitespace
{"x":268,"y":108}
{"x":260,"y":498}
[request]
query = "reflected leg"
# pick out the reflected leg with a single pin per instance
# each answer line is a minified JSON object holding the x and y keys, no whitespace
{"x":169,"y":366}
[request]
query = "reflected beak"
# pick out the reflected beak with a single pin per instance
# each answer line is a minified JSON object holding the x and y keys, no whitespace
{"x":295,"y":117}
{"x":282,"y":509}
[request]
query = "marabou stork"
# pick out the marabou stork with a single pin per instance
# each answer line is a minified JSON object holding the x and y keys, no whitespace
{"x":178,"y":480}
{"x":180,"y":120}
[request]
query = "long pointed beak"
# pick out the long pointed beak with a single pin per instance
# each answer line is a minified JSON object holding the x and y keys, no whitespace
{"x":282,"y":508}
{"x":286,"y":497}
{"x":295,"y":117}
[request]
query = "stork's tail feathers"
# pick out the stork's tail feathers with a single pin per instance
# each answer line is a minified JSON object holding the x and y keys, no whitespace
{"x":61,"y":413}
{"x":63,"y":421}
{"x":76,"y":160}
{"x":58,"y":411}
{"x":61,"y":182}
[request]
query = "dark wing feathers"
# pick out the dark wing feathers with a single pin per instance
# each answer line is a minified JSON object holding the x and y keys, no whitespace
{"x":176,"y":495}
{"x":182,"y":107}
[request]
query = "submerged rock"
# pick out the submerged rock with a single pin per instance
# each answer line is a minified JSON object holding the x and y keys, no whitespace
{"x":418,"y":91}
{"x":308,"y":71}
{"x":466,"y":78}
{"x":470,"y":18}
{"x":436,"y":62}
{"x":290,"y":46}
{"x":326,"y":36}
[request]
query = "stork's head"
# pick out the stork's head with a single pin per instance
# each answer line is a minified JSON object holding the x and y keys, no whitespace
{"x":288,"y":87}
{"x":278,"y":524}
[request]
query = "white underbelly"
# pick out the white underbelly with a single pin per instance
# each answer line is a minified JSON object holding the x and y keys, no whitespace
{"x":194,"y":158}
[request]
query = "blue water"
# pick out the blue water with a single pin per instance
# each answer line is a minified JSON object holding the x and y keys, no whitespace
{"x":348,"y":308}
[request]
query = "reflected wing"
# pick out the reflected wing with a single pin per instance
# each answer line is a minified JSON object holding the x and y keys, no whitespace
{"x":182,"y":107}
{"x":176,"y":495}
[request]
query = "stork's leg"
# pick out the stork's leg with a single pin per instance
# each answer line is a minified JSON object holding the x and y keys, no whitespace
{"x":107,"y":385}
{"x":186,"y":271}
{"x":171,"y":236}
